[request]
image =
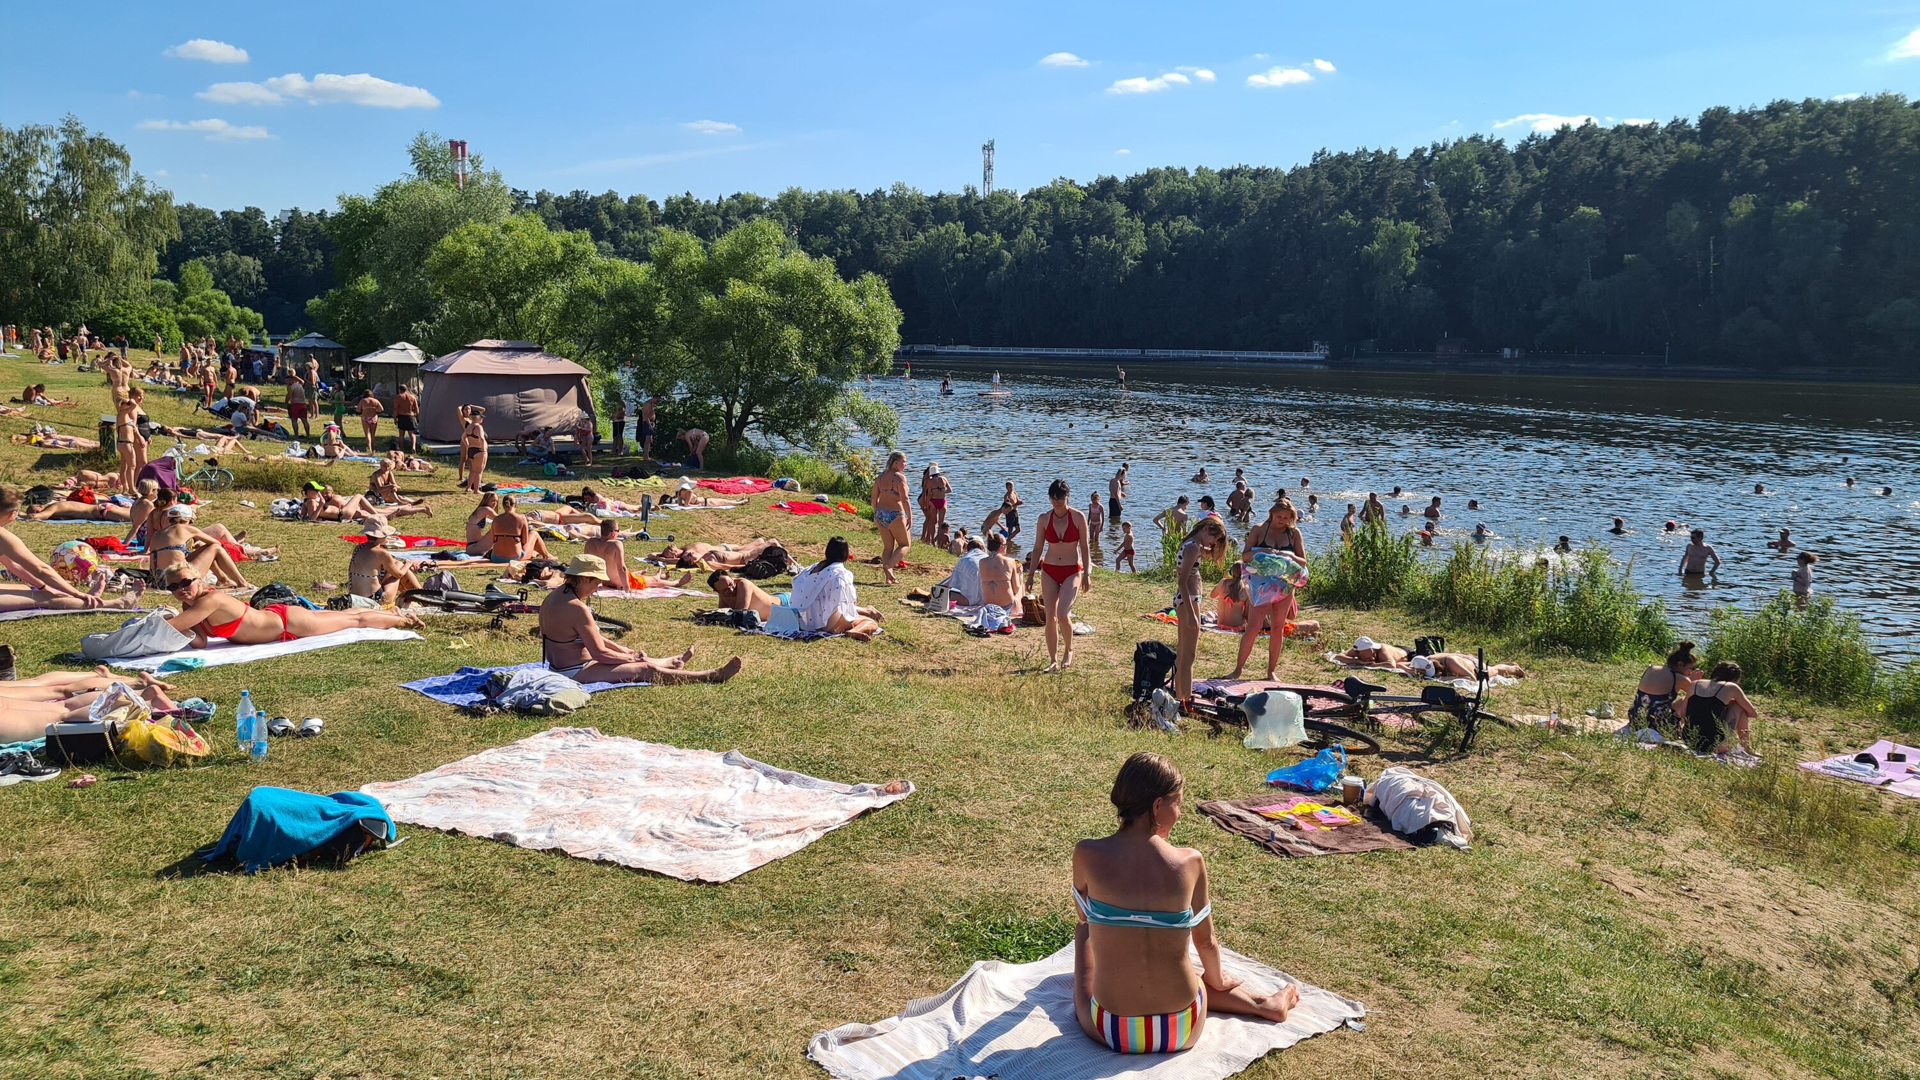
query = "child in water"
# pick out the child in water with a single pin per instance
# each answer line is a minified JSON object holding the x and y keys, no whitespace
{"x":1125,"y":555}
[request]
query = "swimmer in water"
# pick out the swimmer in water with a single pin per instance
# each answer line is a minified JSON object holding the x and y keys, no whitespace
{"x":1313,"y":502}
{"x":1396,"y":492}
{"x":1849,"y":481}
{"x":1785,"y":543}
{"x":1672,"y":525}
{"x":1694,"y":560}
{"x":1759,"y":489}
{"x":1432,"y":511}
{"x":1565,"y":544}
{"x":1619,"y":526}
{"x":1886,"y":491}
{"x":1305,"y":483}
{"x":1473,"y":504}
{"x":1405,"y":509}
{"x":1199,"y":477}
{"x":1481,"y":532}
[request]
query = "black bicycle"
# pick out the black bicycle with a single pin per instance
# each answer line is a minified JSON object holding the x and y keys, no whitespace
{"x":499,"y":603}
{"x":1229,"y":709}
{"x":1337,"y":711}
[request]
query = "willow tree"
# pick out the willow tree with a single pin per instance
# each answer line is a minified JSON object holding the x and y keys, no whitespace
{"x":772,"y":337}
{"x":79,"y":229}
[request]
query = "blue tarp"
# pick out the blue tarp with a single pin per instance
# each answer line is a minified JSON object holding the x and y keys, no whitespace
{"x":274,"y":825}
{"x":468,"y":685}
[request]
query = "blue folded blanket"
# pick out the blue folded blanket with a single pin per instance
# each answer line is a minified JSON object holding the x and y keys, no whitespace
{"x":468,"y":685}
{"x":276,"y":824}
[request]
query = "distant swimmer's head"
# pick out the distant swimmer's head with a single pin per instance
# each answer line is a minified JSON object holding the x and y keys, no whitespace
{"x":1672,"y":526}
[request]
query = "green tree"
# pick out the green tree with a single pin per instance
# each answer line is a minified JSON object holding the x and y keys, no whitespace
{"x":201,"y":310}
{"x":238,"y":276}
{"x":79,"y":229}
{"x":509,"y":279}
{"x":774,"y":338}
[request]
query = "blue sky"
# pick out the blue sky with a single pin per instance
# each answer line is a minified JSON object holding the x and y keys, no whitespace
{"x":287,"y":104}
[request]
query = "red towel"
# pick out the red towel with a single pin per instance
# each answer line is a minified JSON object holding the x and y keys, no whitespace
{"x":414,"y":541}
{"x":803,"y":507}
{"x":739,"y":485}
{"x":107,"y":545}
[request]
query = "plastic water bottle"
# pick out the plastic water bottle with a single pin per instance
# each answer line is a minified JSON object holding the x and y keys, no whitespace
{"x":243,"y":720}
{"x":258,"y":748}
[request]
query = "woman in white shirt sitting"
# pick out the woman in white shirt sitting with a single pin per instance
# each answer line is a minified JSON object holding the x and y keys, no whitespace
{"x":824,"y":597}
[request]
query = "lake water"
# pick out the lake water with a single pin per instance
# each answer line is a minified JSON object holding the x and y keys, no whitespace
{"x":1545,"y":456}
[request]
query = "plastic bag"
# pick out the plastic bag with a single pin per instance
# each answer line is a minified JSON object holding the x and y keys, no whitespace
{"x":1274,"y":719}
{"x":1317,"y":773}
{"x":135,"y":732}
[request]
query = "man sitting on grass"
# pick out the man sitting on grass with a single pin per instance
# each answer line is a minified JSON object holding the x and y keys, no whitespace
{"x":739,"y":594}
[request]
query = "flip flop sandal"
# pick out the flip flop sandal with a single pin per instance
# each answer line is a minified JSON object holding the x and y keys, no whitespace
{"x":312,"y":725}
{"x":266,"y":558}
{"x":280,"y":725}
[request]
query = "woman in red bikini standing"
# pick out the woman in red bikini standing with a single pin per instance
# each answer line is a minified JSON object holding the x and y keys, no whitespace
{"x":1061,"y":551}
{"x":207,"y":613}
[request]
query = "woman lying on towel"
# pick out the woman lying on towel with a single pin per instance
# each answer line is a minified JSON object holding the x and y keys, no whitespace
{"x":27,"y":706}
{"x":37,"y":585}
{"x":571,"y":642}
{"x":1141,"y":901}
{"x":207,"y":613}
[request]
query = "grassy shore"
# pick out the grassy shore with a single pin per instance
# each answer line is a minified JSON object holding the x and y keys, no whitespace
{"x":1622,"y":913}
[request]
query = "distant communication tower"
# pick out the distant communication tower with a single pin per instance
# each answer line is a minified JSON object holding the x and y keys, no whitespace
{"x":986,"y":168}
{"x":459,"y":149}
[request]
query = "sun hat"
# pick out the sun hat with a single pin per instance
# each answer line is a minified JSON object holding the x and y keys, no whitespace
{"x":180,"y":512}
{"x":1422,"y":665}
{"x":375,"y":530}
{"x":1363,"y":643}
{"x":592,"y":566}
{"x":687,"y":484}
{"x":933,"y":469}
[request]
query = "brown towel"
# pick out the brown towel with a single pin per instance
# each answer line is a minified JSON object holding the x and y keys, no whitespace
{"x":1237,"y":816}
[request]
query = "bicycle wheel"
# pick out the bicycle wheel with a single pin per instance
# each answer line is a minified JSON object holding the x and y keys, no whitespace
{"x":1327,"y":734}
{"x":219,"y":479}
{"x":611,"y":626}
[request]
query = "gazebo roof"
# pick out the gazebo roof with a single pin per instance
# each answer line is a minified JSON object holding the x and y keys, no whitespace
{"x":399,"y":352}
{"x":315,"y":341}
{"x":490,"y":356}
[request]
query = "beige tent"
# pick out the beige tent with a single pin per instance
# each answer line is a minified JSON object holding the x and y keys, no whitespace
{"x":521,"y":385}
{"x":390,"y":368}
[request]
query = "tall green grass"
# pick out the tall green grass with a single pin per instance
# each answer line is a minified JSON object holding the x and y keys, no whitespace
{"x":1584,"y":603}
{"x":1812,"y":648}
{"x":1903,"y":697}
{"x":1370,"y":568}
{"x":1168,"y":565}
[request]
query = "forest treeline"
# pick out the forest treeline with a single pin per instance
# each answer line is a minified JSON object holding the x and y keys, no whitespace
{"x":1762,"y":237}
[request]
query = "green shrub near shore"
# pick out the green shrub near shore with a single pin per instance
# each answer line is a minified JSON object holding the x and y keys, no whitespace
{"x":1903,"y":697}
{"x":1811,"y":648}
{"x":1365,"y":570}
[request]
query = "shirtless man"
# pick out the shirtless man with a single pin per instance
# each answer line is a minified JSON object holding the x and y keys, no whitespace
{"x":1432,"y":512}
{"x":609,"y":548}
{"x":643,"y":429}
{"x":1000,"y":576}
{"x":369,"y":408}
{"x":297,"y":408}
{"x":1367,"y":652}
{"x":893,"y":513}
{"x":1117,"y":493}
{"x":739,"y":594}
{"x":1694,"y":560}
{"x":1373,"y":511}
{"x":696,"y":441}
{"x":373,"y":572}
{"x":406,"y":419}
{"x":1453,"y":665}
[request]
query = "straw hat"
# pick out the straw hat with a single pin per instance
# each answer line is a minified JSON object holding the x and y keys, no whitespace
{"x":592,"y":566}
{"x":375,"y":530}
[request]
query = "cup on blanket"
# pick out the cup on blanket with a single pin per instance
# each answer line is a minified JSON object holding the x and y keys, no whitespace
{"x":1353,"y":790}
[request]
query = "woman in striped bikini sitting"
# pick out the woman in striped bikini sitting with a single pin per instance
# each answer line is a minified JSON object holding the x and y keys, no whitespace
{"x":1141,"y":901}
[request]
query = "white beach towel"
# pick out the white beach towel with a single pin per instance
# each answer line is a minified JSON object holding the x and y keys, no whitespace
{"x":35,"y":613}
{"x":691,"y":814}
{"x":1464,"y":685}
{"x":653,"y":592}
{"x":228,"y":653}
{"x":1016,"y":1021}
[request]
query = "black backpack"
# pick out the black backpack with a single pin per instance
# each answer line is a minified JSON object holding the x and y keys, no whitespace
{"x":1153,"y":663}
{"x":1428,"y":646}
{"x":277,"y":593}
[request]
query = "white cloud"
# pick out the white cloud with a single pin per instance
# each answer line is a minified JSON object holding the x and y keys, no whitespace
{"x":1544,"y":122}
{"x":1123,"y":152}
{"x":1200,"y":73}
{"x":1847,"y":97}
{"x":1154,"y":85}
{"x":214,"y":130}
{"x":713,"y":127}
{"x":323,"y":89}
{"x":1639,"y":121}
{"x":213,"y":52}
{"x":1323,"y":65}
{"x":1062,"y":59}
{"x":161,"y":173}
{"x":1279,"y":76}
{"x":1907,"y":48}
{"x":1260,"y":56}
{"x":239,"y":93}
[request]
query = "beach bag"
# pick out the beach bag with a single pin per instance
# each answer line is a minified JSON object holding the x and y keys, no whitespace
{"x":1428,"y":646}
{"x":146,"y":634}
{"x":1153,"y":664}
{"x":136,"y":734}
{"x":1274,"y":719}
{"x":444,"y":581}
{"x":277,"y":593}
{"x":1317,"y":773}
{"x":762,"y":568}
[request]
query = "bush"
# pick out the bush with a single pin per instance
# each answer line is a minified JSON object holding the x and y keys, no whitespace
{"x":1365,"y":570}
{"x":139,"y":321}
{"x":1813,"y":648}
{"x":1582,"y":605}
{"x":1903,"y":697}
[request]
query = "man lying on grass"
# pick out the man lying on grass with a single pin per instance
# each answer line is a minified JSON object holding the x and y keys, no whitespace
{"x":571,"y":642}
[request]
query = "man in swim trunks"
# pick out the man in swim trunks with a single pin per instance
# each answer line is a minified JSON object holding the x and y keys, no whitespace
{"x":1367,"y":652}
{"x":1694,"y":560}
{"x":893,"y":513}
{"x":1117,"y":493}
{"x":406,"y":419}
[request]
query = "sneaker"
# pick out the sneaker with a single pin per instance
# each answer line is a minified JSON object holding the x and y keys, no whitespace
{"x":20,"y":766}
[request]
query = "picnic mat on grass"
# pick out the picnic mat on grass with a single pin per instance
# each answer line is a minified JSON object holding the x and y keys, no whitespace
{"x":690,"y":814}
{"x":228,"y":653}
{"x":35,"y":613}
{"x":738,"y":485}
{"x":1016,"y":1022}
{"x":413,"y":541}
{"x":1241,"y":817}
{"x":468,"y":685}
{"x":1902,"y":777}
{"x":651,"y":592}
